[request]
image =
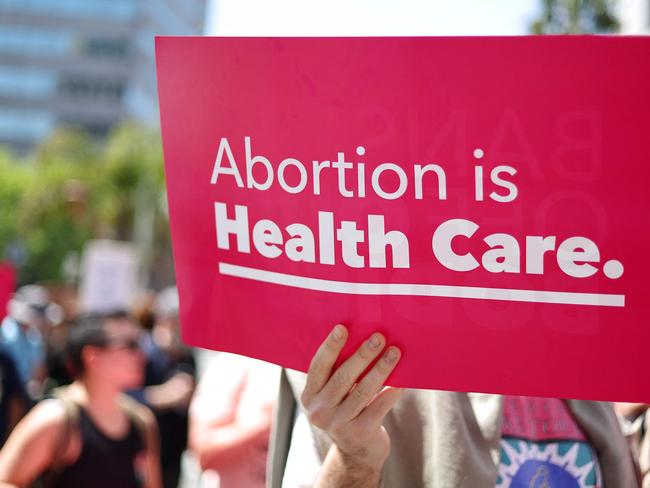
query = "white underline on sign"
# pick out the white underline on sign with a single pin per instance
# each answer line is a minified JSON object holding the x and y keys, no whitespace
{"x":349,"y":288}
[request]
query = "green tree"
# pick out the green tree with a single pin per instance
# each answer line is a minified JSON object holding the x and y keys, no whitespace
{"x":51,"y":210}
{"x":15,"y":177}
{"x":74,"y":188}
{"x":575,"y":17}
{"x":133,"y":202}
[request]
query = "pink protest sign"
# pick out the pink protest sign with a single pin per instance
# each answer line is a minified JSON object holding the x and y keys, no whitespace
{"x":481,"y":201}
{"x":7,"y":285}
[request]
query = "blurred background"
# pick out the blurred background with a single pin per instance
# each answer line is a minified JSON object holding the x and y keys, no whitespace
{"x":83,"y":210}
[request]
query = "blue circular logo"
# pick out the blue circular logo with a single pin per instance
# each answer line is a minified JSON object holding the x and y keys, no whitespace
{"x":543,"y":474}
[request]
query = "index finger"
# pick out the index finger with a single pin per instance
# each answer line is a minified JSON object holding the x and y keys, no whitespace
{"x":320,"y":368}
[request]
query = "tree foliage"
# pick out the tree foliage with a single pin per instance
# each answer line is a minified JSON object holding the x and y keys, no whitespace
{"x":575,"y":17}
{"x":74,"y":188}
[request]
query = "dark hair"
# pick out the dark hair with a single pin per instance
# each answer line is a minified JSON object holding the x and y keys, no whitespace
{"x":88,"y":330}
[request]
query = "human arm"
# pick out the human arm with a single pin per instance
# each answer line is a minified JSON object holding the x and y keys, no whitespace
{"x":222,"y":427}
{"x":176,"y":392}
{"x":350,"y":407}
{"x":29,"y":451}
{"x":224,"y":445}
{"x":150,"y":463}
{"x":153,"y":471}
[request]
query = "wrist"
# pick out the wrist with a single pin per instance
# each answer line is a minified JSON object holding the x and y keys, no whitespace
{"x":368,"y":457}
{"x":359,"y":468}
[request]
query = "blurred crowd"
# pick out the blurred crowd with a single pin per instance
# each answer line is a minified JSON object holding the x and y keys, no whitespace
{"x":69,"y":369}
{"x":115,"y":398}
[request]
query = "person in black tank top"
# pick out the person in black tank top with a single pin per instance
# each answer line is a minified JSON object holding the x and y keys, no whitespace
{"x":104,"y":462}
{"x":90,"y":434}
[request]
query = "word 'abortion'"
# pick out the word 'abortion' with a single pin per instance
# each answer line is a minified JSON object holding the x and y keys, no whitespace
{"x":575,"y":256}
{"x":355,"y":185}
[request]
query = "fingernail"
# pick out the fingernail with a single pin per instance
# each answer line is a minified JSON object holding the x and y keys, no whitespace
{"x":374,"y":342}
{"x":391,"y":355}
{"x":337,"y":333}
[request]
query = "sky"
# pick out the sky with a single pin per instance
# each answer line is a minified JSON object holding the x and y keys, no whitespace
{"x":369,"y":17}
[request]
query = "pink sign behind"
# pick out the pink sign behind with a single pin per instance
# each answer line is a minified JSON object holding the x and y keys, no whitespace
{"x":7,"y":285}
{"x":481,"y":201}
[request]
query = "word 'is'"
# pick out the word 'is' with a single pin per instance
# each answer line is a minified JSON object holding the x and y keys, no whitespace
{"x":349,"y":183}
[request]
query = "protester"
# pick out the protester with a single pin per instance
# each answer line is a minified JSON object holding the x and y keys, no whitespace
{"x":58,"y":374}
{"x":13,"y":397}
{"x":169,"y":382}
{"x":364,"y":435}
{"x":90,"y":434}
{"x":635,"y":423}
{"x":230,"y":419}
{"x":30,"y":314}
{"x":644,"y":452}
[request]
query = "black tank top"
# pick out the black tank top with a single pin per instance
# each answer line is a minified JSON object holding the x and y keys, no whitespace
{"x":103,"y":462}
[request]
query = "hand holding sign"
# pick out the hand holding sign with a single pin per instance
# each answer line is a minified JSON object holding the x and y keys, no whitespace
{"x":351,"y":406}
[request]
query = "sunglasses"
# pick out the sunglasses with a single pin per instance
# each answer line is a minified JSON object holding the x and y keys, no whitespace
{"x":129,"y":344}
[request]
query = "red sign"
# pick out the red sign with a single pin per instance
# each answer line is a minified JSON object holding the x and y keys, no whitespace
{"x":7,"y":285}
{"x":481,"y":201}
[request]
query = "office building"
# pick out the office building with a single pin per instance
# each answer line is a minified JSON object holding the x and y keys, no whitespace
{"x":82,"y":63}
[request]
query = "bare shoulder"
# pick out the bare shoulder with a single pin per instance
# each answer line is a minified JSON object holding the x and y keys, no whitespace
{"x":30,"y":447}
{"x":45,"y":419}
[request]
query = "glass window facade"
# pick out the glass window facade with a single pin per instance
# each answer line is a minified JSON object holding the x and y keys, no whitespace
{"x":106,"y":48}
{"x":26,"y":83}
{"x":25,"y":125}
{"x":96,"y":89}
{"x":140,"y":105}
{"x":35,"y":42}
{"x":120,"y":10}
